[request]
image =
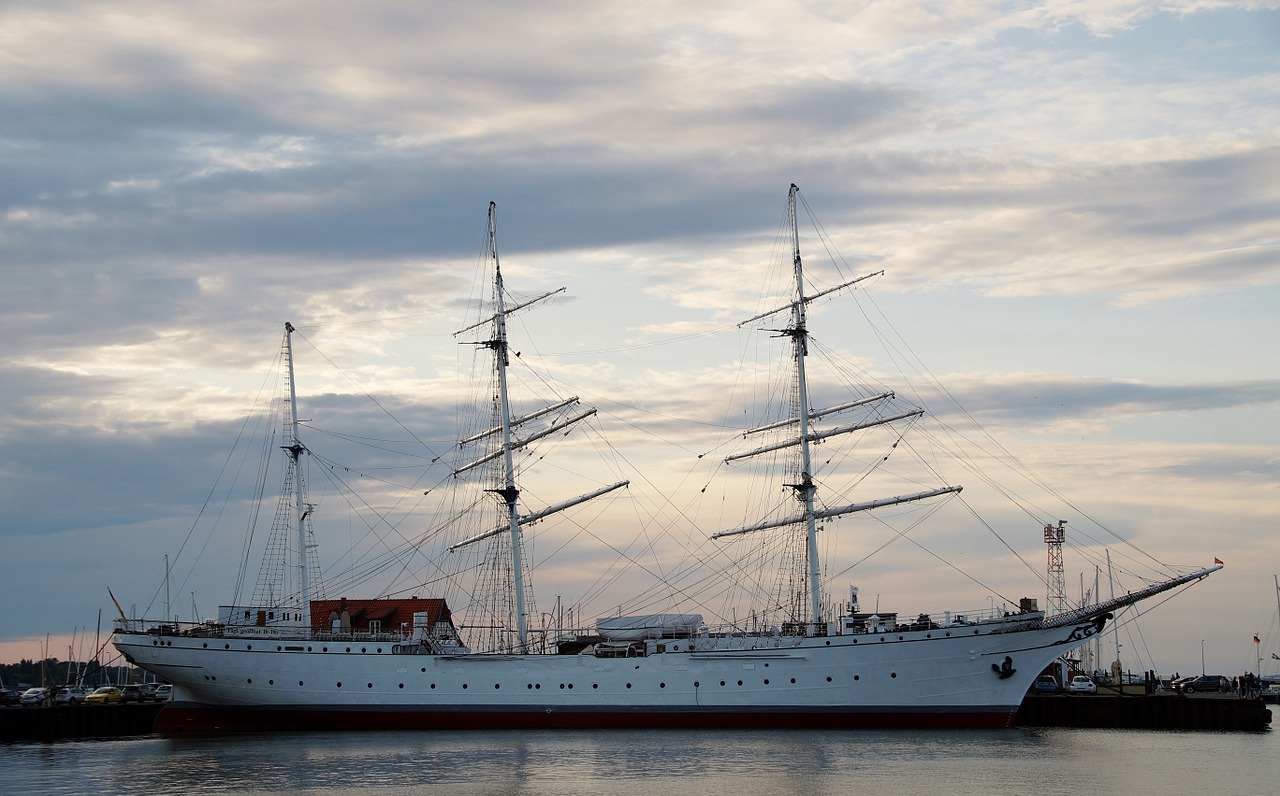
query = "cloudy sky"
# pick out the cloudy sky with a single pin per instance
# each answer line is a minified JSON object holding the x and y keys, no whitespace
{"x":1075,"y":203}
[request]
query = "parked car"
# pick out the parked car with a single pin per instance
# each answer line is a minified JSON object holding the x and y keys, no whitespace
{"x":106,"y":695}
{"x":34,"y":696}
{"x":132,"y":693}
{"x":164,"y":692}
{"x":1204,"y":683}
{"x":1045,"y":684}
{"x":9,"y":696}
{"x":1081,"y":685}
{"x":69,"y":695}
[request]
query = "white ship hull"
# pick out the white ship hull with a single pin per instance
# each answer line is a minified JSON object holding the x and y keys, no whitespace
{"x":966,"y":676}
{"x":246,"y":672}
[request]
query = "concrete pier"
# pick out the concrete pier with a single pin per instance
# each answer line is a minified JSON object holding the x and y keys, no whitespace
{"x":1155,"y":711}
{"x":76,"y":721}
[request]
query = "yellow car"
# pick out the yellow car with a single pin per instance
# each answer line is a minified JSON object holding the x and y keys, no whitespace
{"x":106,"y":695}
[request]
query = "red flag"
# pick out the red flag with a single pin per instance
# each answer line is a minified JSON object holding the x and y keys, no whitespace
{"x":1217,"y":560}
{"x":118,"y":608}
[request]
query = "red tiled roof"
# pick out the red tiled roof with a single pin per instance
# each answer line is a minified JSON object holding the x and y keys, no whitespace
{"x":390,"y":612}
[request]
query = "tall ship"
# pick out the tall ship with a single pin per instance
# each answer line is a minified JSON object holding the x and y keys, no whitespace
{"x":294,"y":657}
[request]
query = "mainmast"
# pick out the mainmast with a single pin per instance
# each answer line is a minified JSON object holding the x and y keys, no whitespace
{"x":506,"y":427}
{"x":805,"y":489}
{"x":295,"y":450}
{"x":509,"y":492}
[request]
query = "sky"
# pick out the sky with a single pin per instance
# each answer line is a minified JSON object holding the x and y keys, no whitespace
{"x":1076,"y":204}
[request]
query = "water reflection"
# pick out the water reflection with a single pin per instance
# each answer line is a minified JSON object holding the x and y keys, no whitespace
{"x":685,"y":762}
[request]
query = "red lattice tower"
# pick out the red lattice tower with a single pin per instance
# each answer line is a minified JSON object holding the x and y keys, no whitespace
{"x":1057,"y":581}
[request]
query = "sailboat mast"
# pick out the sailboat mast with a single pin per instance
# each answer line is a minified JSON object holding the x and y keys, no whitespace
{"x":295,"y":450}
{"x":806,"y":488}
{"x":509,"y":492}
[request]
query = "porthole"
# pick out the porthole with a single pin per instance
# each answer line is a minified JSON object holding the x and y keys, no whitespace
{"x":464,"y":686}
{"x":766,"y":682}
{"x":570,"y":686}
{"x":628,"y":685}
{"x":369,"y":685}
{"x":529,"y":686}
{"x":948,"y":634}
{"x":363,"y":650}
{"x":722,"y":682}
{"x":226,"y":646}
{"x":696,"y":684}
{"x":324,"y":649}
{"x":299,"y":682}
{"x":739,"y":682}
{"x":562,"y":686}
{"x":204,"y":645}
{"x":348,"y":649}
{"x":856,"y":678}
{"x":537,"y":686}
{"x":402,"y":685}
{"x":339,"y":685}
{"x":248,"y":646}
{"x":828,"y":643}
{"x":308,"y":649}
{"x":893,"y":674}
{"x":271,"y":682}
{"x":379,"y":649}
{"x":793,"y":681}
{"x":497,"y":685}
{"x":928,"y":635}
{"x":662,"y":685}
{"x":250,"y":680}
{"x":975,"y":632}
{"x":595,"y":685}
{"x":433,"y":686}
{"x":279,"y":648}
{"x":424,"y":670}
{"x":899,"y":638}
{"x":828,"y":679}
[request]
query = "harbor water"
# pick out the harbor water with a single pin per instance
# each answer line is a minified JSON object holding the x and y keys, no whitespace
{"x":955,"y":763}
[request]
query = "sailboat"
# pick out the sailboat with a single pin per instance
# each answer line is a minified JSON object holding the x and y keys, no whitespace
{"x":291,"y":659}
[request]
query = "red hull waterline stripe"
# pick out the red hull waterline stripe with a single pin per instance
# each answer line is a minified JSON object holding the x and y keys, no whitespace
{"x":193,"y":719}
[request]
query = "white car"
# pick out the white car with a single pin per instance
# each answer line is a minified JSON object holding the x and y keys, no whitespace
{"x":69,"y":695}
{"x":34,"y":696}
{"x":1081,"y":685}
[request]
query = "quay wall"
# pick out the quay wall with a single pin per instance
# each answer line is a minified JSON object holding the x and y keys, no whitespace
{"x":1153,"y":712}
{"x":76,"y":721}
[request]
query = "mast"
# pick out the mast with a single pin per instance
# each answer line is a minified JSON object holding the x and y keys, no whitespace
{"x":509,"y":492}
{"x":805,"y":489}
{"x":295,"y":450}
{"x":510,"y":443}
{"x":803,"y":416}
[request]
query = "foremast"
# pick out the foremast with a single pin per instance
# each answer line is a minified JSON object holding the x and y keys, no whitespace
{"x":806,"y":489}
